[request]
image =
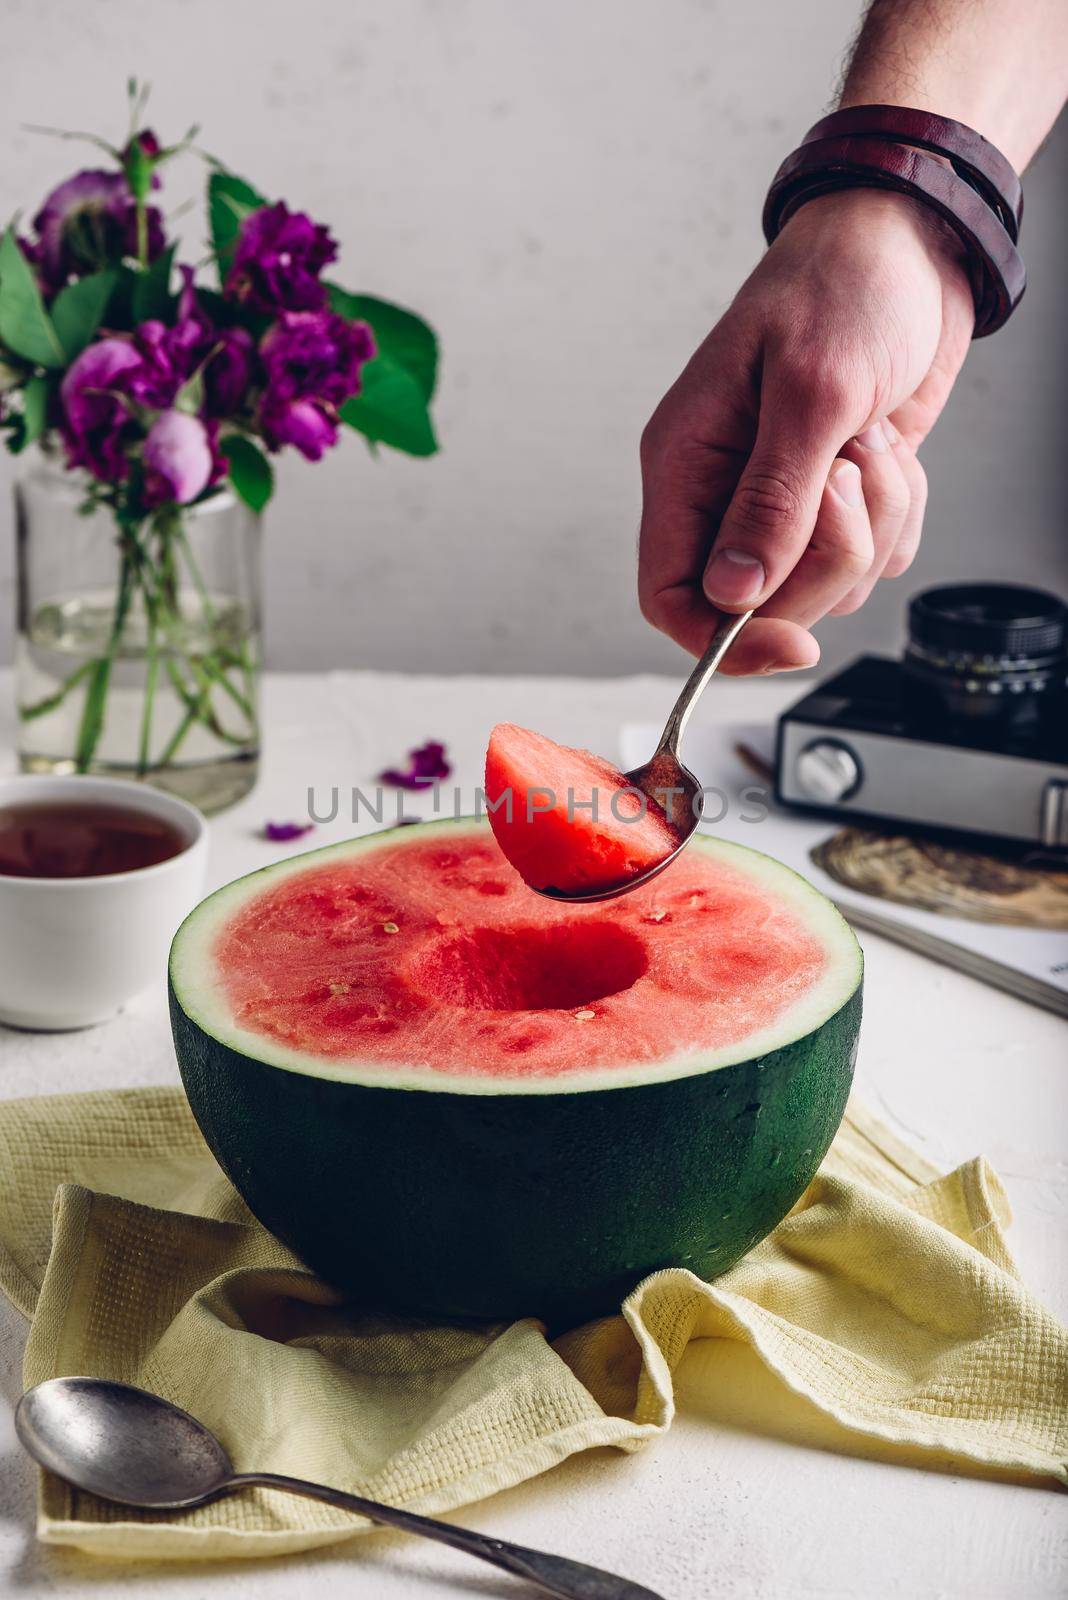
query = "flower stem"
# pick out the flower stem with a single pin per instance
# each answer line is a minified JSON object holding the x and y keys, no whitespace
{"x":200,"y":704}
{"x":215,"y":660}
{"x":92,"y":722}
{"x":148,"y":568}
{"x":194,"y":572}
{"x":238,"y":658}
{"x":171,"y":749}
{"x":144,"y":751}
{"x":52,"y":702}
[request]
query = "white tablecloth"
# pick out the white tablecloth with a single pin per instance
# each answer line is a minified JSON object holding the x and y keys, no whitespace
{"x":732,"y":1502}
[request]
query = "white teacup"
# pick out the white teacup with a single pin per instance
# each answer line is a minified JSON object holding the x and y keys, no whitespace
{"x":74,"y":950}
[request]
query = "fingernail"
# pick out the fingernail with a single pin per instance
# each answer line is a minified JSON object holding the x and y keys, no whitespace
{"x":786,"y":666}
{"x":892,"y":435}
{"x":845,"y":481}
{"x":874,"y":438}
{"x":734,"y":576}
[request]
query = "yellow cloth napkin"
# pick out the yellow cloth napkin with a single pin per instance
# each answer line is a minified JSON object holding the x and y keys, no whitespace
{"x":888,"y":1300}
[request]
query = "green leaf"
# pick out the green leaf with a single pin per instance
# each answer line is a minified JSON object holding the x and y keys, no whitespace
{"x":397,"y":386}
{"x":190,"y":397}
{"x":250,"y":471}
{"x":25,"y":426}
{"x":401,"y":338}
{"x":151,"y":295}
{"x":118,"y":313}
{"x":34,"y":419}
{"x":25,"y":326}
{"x":230,"y":201}
{"x":391,"y":409}
{"x":78,"y":310}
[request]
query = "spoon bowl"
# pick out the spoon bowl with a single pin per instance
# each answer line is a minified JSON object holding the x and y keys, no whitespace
{"x":663,"y":779}
{"x":122,"y":1443}
{"x":127,"y":1445}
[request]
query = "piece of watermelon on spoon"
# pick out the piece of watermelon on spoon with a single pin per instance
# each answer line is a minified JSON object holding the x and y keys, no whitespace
{"x":573,"y":823}
{"x":578,"y":829}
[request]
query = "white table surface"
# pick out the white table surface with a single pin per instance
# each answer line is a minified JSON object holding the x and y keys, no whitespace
{"x":727,"y":1504}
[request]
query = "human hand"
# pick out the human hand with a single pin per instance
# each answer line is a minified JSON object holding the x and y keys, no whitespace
{"x":780,"y":470}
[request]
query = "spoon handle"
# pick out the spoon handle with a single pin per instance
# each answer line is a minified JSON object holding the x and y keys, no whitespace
{"x":570,"y":1580}
{"x":722,"y":639}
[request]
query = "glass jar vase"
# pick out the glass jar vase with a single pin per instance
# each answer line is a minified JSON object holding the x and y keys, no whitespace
{"x":138,"y":645}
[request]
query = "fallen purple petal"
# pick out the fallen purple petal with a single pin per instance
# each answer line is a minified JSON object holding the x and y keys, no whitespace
{"x":427,"y":765}
{"x":282,"y":832}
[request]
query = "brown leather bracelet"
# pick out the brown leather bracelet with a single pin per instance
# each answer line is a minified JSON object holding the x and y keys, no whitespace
{"x":825,"y":166}
{"x":974,"y":158}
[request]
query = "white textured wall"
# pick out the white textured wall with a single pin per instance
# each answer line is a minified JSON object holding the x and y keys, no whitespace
{"x":570,"y":190}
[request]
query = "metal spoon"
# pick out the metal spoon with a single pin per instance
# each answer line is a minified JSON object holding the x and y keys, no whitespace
{"x":128,"y":1445}
{"x":663,"y":778}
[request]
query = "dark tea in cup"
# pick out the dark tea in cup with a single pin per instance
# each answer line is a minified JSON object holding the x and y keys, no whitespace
{"x":82,"y":839}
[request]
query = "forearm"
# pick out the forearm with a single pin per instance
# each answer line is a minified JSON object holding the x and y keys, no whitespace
{"x":999,"y":65}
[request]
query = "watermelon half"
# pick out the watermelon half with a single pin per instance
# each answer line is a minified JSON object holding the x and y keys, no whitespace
{"x":453,"y":1097}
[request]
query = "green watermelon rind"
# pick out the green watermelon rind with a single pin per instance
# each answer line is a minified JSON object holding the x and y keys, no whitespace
{"x":503,"y":1204}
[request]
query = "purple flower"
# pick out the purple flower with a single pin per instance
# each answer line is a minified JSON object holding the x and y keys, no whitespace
{"x":311,"y":428}
{"x":282,"y":832}
{"x":97,"y":421}
{"x":164,"y":365}
{"x":426,"y":765}
{"x":315,"y":355}
{"x":179,"y":457}
{"x":225,"y":354}
{"x":114,"y":381}
{"x":311,"y":362}
{"x":171,"y":355}
{"x":87,"y":223}
{"x":227,"y":372}
{"x":100,"y":396}
{"x":278,"y":259}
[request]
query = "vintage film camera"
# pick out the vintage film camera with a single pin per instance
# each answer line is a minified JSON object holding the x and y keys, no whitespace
{"x":968,"y":733}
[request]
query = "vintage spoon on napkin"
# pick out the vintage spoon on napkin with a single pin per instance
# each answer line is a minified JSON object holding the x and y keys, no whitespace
{"x":663,"y":778}
{"x":128,"y":1445}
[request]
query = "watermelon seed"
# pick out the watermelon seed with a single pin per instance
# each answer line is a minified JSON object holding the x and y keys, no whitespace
{"x":339,"y":988}
{"x":390,"y":927}
{"x":655,"y":916}
{"x":584,"y":1016}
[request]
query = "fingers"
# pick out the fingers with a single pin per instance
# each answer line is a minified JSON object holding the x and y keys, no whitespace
{"x":686,"y":486}
{"x":878,"y":452}
{"x":838,"y":556}
{"x":909,"y":538}
{"x":806,"y":524}
{"x":770,"y":644}
{"x":767,"y":644}
{"x":772,"y":513}
{"x":672,"y":548}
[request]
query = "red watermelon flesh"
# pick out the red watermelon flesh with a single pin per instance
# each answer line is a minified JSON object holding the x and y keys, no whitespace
{"x":430,"y":953}
{"x":550,"y":834}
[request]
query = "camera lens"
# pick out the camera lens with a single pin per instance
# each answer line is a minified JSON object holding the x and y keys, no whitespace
{"x":990,"y":655}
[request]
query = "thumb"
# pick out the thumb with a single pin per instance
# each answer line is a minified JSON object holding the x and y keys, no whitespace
{"x":773,"y":510}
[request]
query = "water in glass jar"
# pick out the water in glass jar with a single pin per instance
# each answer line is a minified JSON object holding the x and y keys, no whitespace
{"x":182,"y":714}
